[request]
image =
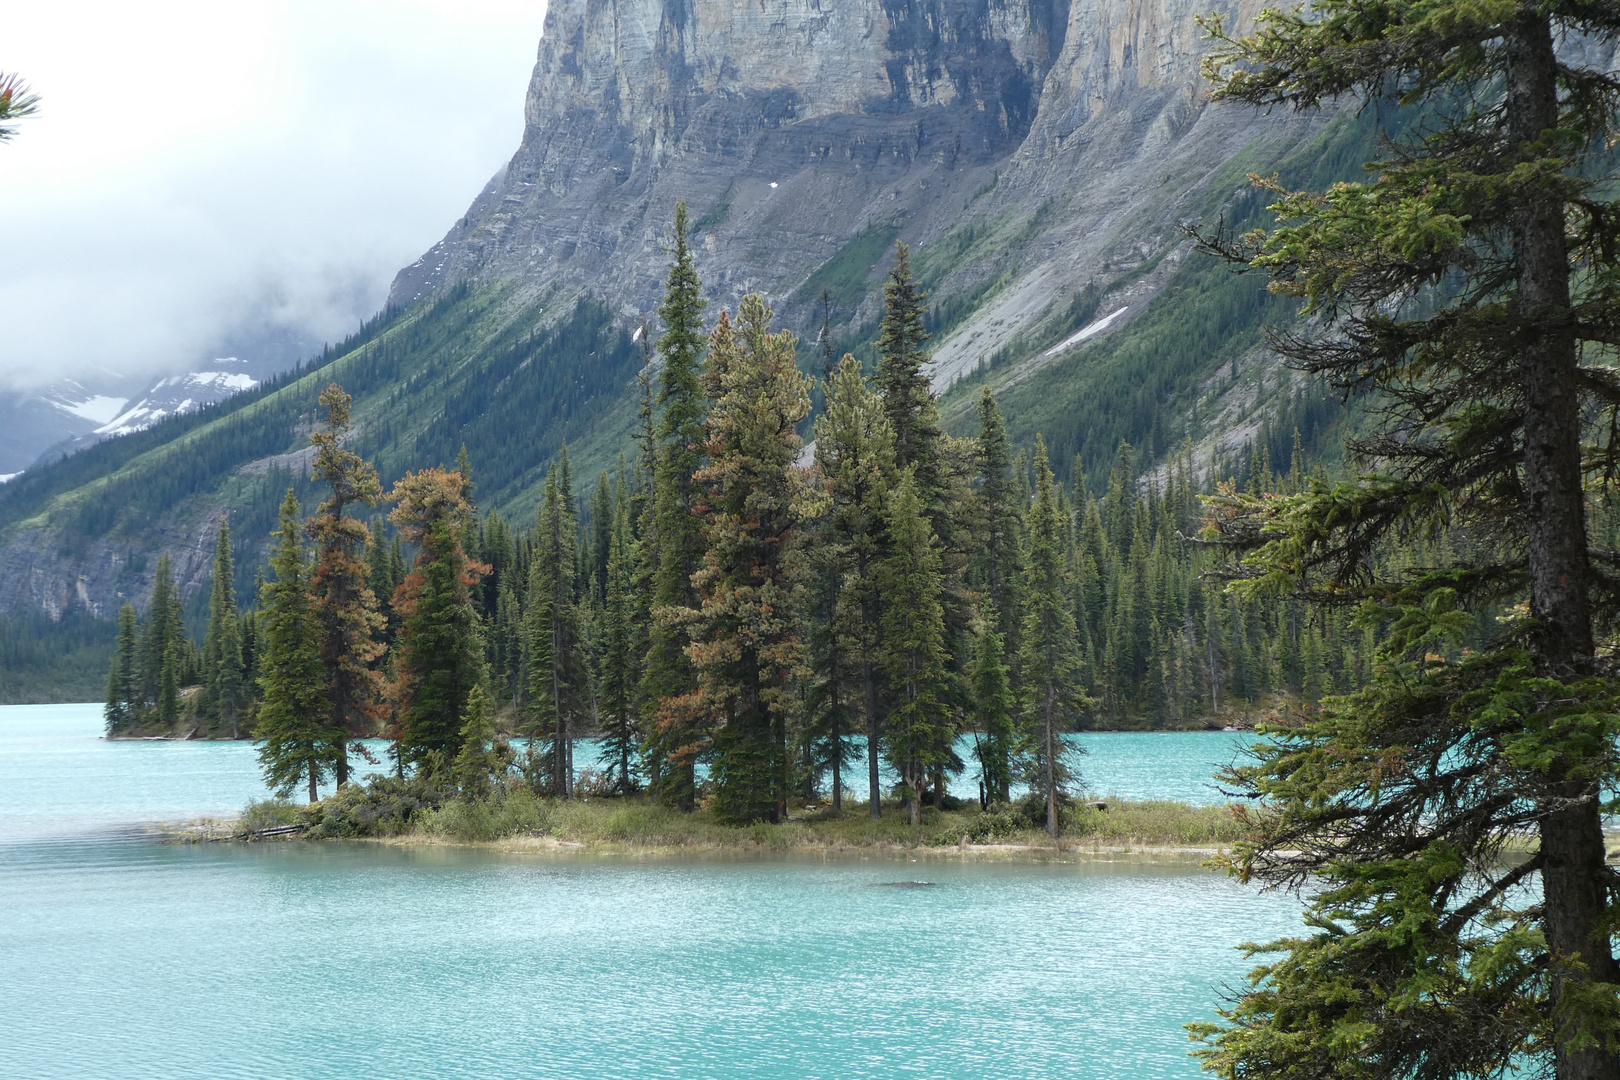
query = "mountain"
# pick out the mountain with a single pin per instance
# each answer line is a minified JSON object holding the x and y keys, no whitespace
{"x":64,"y":415}
{"x":1039,"y":156}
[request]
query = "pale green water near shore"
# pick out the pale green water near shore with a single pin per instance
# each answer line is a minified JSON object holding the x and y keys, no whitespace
{"x":120,"y":958}
{"x":58,"y":776}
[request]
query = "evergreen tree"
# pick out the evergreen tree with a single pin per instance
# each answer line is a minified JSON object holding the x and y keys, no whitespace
{"x":907,"y":397}
{"x":159,"y":652}
{"x":999,"y":559}
{"x":669,"y":677}
{"x":998,"y":569}
{"x":746,"y":641}
{"x":250,"y":649}
{"x":345,"y":608}
{"x":1456,"y":290}
{"x":855,"y":454}
{"x":910,"y":578}
{"x":296,"y":742}
{"x":224,"y":688}
{"x":994,"y":708}
{"x":620,"y":733}
{"x":509,"y":660}
{"x":484,"y":757}
{"x":384,"y":572}
{"x":441,"y":652}
{"x":122,"y":707}
{"x":559,"y":689}
{"x":1050,"y":659}
{"x":601,"y":538}
{"x":168,"y":703}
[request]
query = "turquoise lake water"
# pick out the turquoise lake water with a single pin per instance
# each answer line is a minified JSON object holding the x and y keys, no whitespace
{"x":122,"y":958}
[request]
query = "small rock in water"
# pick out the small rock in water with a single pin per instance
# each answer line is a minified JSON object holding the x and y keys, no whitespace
{"x":906,"y":885}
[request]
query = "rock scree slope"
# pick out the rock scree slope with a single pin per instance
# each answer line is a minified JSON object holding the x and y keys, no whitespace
{"x":1038,"y":155}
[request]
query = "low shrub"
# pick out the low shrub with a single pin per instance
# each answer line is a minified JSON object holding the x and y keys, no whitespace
{"x":270,"y":814}
{"x":507,"y":812}
{"x":386,"y":806}
{"x":995,"y":826}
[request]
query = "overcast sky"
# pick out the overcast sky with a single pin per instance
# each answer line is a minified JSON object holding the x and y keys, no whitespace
{"x":198,"y":165}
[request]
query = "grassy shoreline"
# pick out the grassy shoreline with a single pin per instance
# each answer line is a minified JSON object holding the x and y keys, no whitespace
{"x":518,"y":822}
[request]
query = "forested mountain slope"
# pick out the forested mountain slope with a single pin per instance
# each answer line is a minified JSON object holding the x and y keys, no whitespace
{"x":1038,"y":155}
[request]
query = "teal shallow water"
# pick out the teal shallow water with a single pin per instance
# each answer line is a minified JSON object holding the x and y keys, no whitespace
{"x":58,"y":776}
{"x":120,"y":958}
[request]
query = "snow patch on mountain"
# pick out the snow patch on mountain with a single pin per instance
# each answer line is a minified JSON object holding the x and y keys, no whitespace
{"x":178,"y":394}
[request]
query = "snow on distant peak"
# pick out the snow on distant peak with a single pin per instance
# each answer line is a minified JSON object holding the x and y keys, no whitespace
{"x":7,"y":477}
{"x":176,"y":394}
{"x":97,"y":408}
{"x":141,"y":416}
{"x":234,"y":381}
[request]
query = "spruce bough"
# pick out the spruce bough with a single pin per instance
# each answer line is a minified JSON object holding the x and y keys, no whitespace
{"x":1468,"y":288}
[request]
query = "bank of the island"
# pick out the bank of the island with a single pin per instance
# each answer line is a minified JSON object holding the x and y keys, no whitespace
{"x":414,"y":812}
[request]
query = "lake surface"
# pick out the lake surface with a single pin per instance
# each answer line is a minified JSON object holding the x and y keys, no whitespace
{"x":58,"y":776}
{"x":122,"y":958}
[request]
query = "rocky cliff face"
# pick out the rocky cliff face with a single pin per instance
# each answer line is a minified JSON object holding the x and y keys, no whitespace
{"x":790,"y":126}
{"x":1037,"y":154}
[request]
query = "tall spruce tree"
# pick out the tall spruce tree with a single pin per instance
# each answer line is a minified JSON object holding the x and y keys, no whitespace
{"x":122,"y":681}
{"x":1050,"y":655}
{"x":440,"y":652}
{"x":484,"y":757}
{"x":1460,"y":288}
{"x":994,"y":708}
{"x":160,"y":652}
{"x":747,"y":644}
{"x":385,"y":569}
{"x":998,"y":570}
{"x":669,"y":677}
{"x":917,"y":730}
{"x":296,"y":741}
{"x":559,"y":675}
{"x":601,"y":549}
{"x":621,"y":736}
{"x":999,"y":556}
{"x":907,"y":397}
{"x":345,"y":607}
{"x":224,"y":685}
{"x":855,"y":453}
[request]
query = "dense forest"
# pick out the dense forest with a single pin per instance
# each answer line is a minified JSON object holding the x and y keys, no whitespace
{"x":731,"y":616}
{"x":1432,"y":637}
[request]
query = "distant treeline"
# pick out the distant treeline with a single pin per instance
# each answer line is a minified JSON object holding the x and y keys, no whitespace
{"x":734,"y":611}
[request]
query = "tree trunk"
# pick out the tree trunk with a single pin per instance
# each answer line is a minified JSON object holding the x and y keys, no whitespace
{"x":837,"y":758}
{"x":314,"y":793}
{"x":915,"y":781}
{"x":1575,"y":896}
{"x":1050,"y":766}
{"x":873,"y":784}
{"x":1574,"y":875}
{"x":784,"y":771}
{"x":559,"y":766}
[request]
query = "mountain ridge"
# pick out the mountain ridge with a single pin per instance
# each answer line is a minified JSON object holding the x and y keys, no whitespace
{"x":1038,"y":155}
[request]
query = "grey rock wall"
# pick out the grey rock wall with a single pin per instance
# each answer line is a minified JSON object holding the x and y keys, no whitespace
{"x":788,"y":126}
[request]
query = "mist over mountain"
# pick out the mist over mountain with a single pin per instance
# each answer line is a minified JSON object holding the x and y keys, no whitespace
{"x":1039,"y":156}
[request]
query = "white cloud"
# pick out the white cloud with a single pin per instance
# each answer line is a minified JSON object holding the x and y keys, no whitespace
{"x":198,"y":165}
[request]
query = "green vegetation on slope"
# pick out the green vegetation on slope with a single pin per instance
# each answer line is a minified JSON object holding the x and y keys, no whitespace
{"x":1165,"y":377}
{"x":846,"y":276}
{"x":469,"y":368}
{"x":46,"y":661}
